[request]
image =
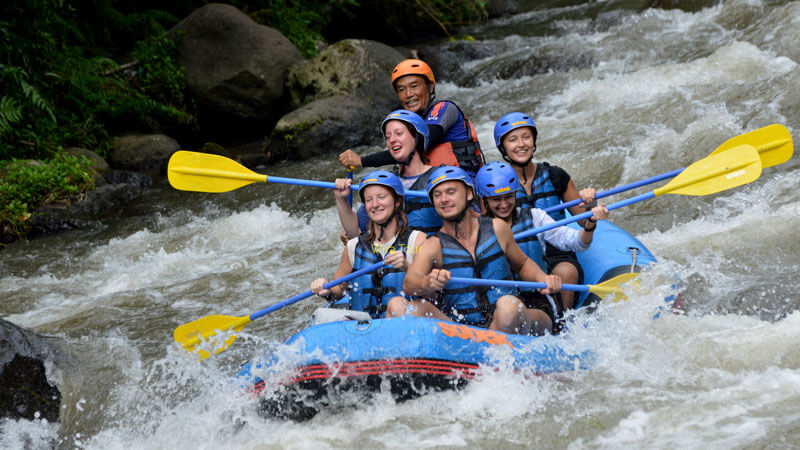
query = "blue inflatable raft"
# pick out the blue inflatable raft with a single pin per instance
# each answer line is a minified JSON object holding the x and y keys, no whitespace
{"x":417,"y":354}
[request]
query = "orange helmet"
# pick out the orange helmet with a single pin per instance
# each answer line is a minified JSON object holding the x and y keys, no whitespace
{"x":412,"y":67}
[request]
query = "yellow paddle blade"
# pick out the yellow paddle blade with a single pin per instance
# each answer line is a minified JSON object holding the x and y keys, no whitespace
{"x":716,"y":172}
{"x":613,"y":286}
{"x":189,"y":335}
{"x":773,"y":143}
{"x":204,"y":172}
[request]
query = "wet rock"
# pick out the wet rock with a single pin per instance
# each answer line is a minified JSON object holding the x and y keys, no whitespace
{"x":447,"y":61}
{"x":499,"y":8}
{"x":25,"y":391}
{"x":141,"y":151}
{"x":100,"y":164}
{"x":235,"y":67}
{"x":525,"y":64}
{"x":329,"y":125}
{"x":354,"y":67}
{"x":121,"y":187}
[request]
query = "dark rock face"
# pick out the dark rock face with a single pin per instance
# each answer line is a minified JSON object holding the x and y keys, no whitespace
{"x":353,"y":67}
{"x":25,"y":391}
{"x":341,"y":96}
{"x":120,"y":187}
{"x":141,"y":151}
{"x":329,"y":125}
{"x":235,"y":67}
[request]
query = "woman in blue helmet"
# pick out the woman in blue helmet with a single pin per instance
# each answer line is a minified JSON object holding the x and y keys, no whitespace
{"x":542,"y":186}
{"x":497,"y":184}
{"x":387,"y":238}
{"x":472,"y":246}
{"x":406,"y":136}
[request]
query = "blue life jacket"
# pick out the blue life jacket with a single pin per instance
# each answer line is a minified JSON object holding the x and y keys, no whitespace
{"x":474,"y":304}
{"x":371,"y":292}
{"x":543,"y":194}
{"x":421,"y":214}
{"x":523,"y":221}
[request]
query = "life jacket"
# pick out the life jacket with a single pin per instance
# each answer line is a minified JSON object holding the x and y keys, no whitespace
{"x":474,"y":304}
{"x":420,"y":211}
{"x":371,"y":292}
{"x":523,"y":221}
{"x":543,"y":194}
{"x":459,"y":147}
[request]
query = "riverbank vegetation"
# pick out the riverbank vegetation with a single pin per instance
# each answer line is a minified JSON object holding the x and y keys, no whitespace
{"x":72,"y":74}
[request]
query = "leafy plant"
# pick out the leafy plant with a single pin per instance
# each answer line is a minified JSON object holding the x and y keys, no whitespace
{"x":26,"y":184}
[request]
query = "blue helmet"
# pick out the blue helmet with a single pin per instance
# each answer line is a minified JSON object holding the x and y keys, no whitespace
{"x":383,"y":178}
{"x":447,"y":173}
{"x":509,"y":122}
{"x":412,"y":118}
{"x":496,"y":178}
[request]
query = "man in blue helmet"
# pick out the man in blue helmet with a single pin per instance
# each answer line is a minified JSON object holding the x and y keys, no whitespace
{"x":473,"y":246}
{"x":453,"y":140}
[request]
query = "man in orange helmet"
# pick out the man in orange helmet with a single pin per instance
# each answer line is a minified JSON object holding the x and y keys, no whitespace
{"x":452,"y":142}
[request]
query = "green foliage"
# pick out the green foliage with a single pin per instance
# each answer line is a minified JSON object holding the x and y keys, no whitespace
{"x":454,"y":13}
{"x":26,"y":184}
{"x":300,"y":22}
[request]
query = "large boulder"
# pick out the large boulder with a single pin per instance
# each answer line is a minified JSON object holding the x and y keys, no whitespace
{"x":328,"y":125}
{"x":25,"y":391}
{"x":141,"y":152}
{"x":354,"y":67}
{"x":235,"y":67}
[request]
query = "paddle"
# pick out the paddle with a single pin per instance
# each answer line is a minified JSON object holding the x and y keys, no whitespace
{"x":773,"y":142}
{"x":601,"y":290}
{"x":189,"y":334}
{"x":204,"y":172}
{"x":350,"y":170}
{"x":714,"y":173}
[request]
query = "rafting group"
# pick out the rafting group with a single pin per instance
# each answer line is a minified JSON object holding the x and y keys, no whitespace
{"x":466,"y":225}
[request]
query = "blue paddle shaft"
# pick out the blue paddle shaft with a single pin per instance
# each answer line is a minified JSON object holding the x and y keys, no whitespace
{"x":328,"y":185}
{"x":308,"y":293}
{"x":582,"y":216}
{"x":617,"y":190}
{"x":514,"y":283}
{"x":350,"y":195}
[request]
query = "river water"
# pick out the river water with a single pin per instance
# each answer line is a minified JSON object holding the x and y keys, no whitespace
{"x":624,"y":96}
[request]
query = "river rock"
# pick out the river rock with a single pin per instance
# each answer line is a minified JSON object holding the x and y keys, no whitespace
{"x":120,"y":187}
{"x":355,"y":67}
{"x":499,"y":8}
{"x":25,"y":391}
{"x":235,"y":67}
{"x":141,"y":151}
{"x":328,"y":125}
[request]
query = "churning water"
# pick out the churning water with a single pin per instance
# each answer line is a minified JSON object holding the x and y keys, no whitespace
{"x":618,"y":96}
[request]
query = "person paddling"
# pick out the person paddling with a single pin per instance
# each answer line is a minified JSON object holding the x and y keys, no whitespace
{"x":542,"y":186}
{"x":452,"y":138}
{"x":388,"y":238}
{"x":469,"y":245}
{"x":406,"y":137}
{"x":497,"y":184}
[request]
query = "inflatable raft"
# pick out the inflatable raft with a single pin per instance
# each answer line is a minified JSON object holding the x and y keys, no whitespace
{"x":411,"y":355}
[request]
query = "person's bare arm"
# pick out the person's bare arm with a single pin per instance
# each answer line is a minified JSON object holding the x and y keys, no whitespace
{"x":335,"y":292}
{"x":419,"y":280}
{"x":519,"y":261}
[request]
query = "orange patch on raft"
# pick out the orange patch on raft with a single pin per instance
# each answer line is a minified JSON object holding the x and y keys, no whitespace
{"x":467,"y":333}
